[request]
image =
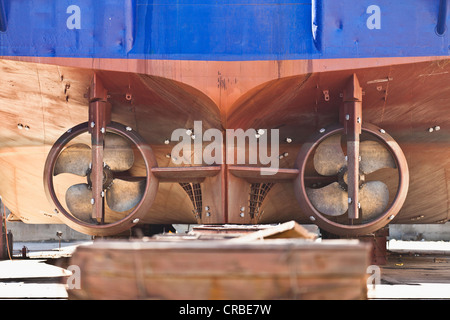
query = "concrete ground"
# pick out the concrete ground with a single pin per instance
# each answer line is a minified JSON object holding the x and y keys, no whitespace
{"x":31,"y":279}
{"x":42,"y":250}
{"x":418,"y":264}
{"x":35,"y":277}
{"x":415,"y":270}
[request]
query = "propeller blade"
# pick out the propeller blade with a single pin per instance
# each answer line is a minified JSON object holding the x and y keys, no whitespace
{"x":118,"y":154}
{"x":329,"y":157}
{"x":374,"y":156}
{"x":330,"y":200}
{"x":74,"y":159}
{"x":78,"y":200}
{"x":124,"y":195}
{"x":374,"y":197}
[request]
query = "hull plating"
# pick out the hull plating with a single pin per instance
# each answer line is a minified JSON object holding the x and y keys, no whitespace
{"x":406,"y":99}
{"x":234,"y":65}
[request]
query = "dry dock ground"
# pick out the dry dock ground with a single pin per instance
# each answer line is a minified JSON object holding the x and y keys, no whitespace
{"x":415,"y":270}
{"x":42,"y":275}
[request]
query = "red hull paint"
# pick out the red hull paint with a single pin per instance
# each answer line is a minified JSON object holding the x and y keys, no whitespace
{"x":404,"y":96}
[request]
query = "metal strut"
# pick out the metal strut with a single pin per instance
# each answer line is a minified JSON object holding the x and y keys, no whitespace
{"x":99,"y":118}
{"x":351,"y":119}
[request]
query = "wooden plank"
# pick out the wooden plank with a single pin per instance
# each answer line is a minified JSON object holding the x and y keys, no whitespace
{"x":414,"y":274}
{"x":223,"y":288}
{"x":290,"y":229}
{"x":237,"y":229}
{"x":29,"y":269}
{"x":32,"y":279}
{"x":273,"y":269}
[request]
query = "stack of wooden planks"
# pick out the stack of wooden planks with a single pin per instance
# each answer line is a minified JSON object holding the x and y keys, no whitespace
{"x":249,"y":266}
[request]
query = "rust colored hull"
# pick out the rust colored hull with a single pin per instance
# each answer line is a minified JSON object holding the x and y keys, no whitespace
{"x":42,"y":97}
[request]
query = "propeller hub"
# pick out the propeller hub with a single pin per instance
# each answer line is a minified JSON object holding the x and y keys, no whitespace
{"x":108,"y":177}
{"x":343,"y":178}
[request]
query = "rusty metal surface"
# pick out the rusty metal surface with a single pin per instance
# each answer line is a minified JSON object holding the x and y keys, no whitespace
{"x":98,"y":120}
{"x":352,"y":114}
{"x":403,"y":96}
{"x":348,"y":228}
{"x":128,"y":220}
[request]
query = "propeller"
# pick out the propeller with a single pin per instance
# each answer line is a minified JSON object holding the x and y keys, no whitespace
{"x":122,"y":193}
{"x":329,"y":160}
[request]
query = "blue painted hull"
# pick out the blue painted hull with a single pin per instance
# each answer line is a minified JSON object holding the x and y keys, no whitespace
{"x":230,"y":30}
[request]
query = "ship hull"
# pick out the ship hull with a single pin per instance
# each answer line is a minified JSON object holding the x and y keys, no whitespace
{"x":43,"y":97}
